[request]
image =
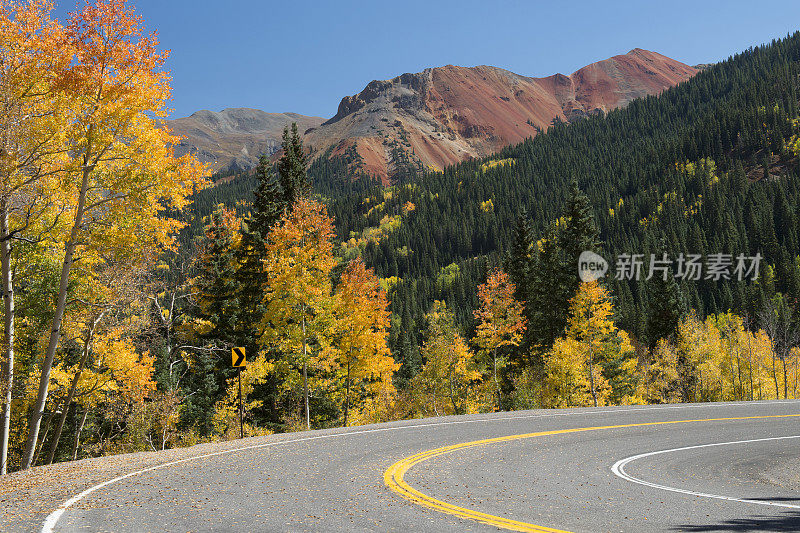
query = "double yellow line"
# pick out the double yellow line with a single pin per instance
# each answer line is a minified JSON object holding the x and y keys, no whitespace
{"x":394,"y":476}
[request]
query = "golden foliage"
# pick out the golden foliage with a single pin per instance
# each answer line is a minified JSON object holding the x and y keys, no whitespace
{"x":366,"y":365}
{"x":226,"y":411}
{"x":595,"y":363}
{"x":500,"y":323}
{"x":444,"y":385}
{"x":497,"y":163}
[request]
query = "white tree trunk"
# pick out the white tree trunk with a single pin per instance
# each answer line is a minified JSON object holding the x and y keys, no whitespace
{"x":8,"y":336}
{"x":58,"y":316}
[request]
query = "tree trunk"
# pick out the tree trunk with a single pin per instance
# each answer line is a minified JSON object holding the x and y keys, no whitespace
{"x":739,"y":371}
{"x":58,"y":316}
{"x":453,"y":394}
{"x":78,"y":431}
{"x":44,"y":438}
{"x":750,"y":366}
{"x":785,"y":379}
{"x":67,"y":403}
{"x":591,"y":374}
{"x":73,"y":386}
{"x":347,"y":394}
{"x":775,"y":378}
{"x":305,"y":375}
{"x":8,"y":337}
{"x":496,"y":382}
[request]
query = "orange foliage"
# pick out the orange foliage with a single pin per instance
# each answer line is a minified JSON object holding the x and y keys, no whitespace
{"x":362,"y":321}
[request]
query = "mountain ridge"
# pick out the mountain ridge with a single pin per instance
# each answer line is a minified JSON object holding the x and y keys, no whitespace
{"x":433,"y":118}
{"x":234,"y":138}
{"x":447,"y":114}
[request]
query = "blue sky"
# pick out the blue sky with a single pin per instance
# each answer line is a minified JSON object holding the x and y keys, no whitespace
{"x":304,"y":56}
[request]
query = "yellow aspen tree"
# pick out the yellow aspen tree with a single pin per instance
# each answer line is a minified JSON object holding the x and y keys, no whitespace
{"x":703,"y":358}
{"x":32,"y":59}
{"x":298,"y":320}
{"x":362,"y":322}
{"x":568,"y":382}
{"x":607,"y":352}
{"x":443,"y":385}
{"x":660,"y":380}
{"x":763,"y":355}
{"x":111,"y":289}
{"x":500,"y":322}
{"x":226,"y":411}
{"x":122,"y":177}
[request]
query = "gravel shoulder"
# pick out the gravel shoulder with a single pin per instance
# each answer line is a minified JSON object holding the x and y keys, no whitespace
{"x":26,"y":498}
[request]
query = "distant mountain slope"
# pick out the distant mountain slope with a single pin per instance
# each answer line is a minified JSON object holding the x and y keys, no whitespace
{"x":702,"y":169}
{"x":448,"y":114}
{"x":234,"y":138}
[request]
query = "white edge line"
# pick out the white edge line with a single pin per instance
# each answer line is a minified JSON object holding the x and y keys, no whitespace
{"x":52,"y":519}
{"x":619,"y":471}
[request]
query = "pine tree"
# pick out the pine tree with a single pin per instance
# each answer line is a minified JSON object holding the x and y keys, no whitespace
{"x":545,"y":310}
{"x":580,"y":233}
{"x":666,"y":306}
{"x":216,"y":283}
{"x":216,"y":313}
{"x":519,"y":261}
{"x":268,"y":207}
{"x":292,"y":168}
{"x":269,"y":200}
{"x":555,"y":275}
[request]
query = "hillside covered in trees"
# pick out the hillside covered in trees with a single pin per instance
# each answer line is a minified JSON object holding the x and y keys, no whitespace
{"x":446,"y":293}
{"x":707,"y":167}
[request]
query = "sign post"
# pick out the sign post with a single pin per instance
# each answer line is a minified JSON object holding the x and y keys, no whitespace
{"x":238,"y":361}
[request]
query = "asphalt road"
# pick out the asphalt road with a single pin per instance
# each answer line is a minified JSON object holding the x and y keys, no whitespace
{"x":737,"y":474}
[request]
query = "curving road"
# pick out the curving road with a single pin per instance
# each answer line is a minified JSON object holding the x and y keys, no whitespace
{"x":697,"y":468}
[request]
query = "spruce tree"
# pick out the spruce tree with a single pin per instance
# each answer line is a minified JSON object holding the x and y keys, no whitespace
{"x":216,"y":282}
{"x":555,"y":274}
{"x":580,"y":231}
{"x":217,"y":304}
{"x":269,"y":200}
{"x":666,"y":308}
{"x":547,"y":310}
{"x":292,"y":167}
{"x":519,"y":261}
{"x":268,"y":207}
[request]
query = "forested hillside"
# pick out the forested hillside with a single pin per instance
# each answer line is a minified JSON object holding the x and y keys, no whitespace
{"x":706,"y":167}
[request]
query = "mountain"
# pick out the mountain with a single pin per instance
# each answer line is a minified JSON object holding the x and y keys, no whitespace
{"x":233,"y":139}
{"x":445,"y":115}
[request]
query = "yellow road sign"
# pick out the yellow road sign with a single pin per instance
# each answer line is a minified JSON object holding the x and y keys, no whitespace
{"x":237,"y":357}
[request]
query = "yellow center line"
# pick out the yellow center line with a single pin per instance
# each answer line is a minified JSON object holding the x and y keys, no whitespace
{"x":393,"y":477}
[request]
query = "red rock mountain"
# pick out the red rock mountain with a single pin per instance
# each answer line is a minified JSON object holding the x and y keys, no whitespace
{"x":447,"y":114}
{"x":433,"y":118}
